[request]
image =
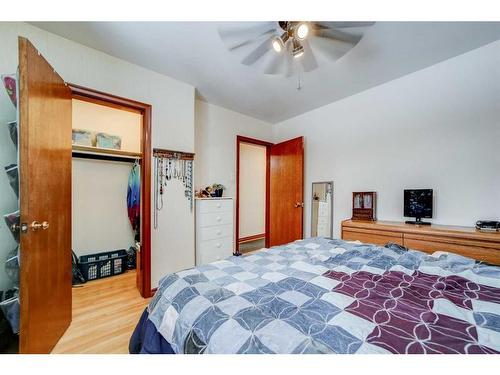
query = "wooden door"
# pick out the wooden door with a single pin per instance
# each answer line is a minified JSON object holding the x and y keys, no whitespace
{"x":45,"y":202}
{"x":286,"y":203}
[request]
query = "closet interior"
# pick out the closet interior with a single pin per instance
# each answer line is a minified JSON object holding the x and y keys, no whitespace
{"x":106,"y":191}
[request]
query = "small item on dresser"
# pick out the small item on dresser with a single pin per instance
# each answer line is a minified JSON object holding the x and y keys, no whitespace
{"x":217,"y":190}
{"x":363,"y":205}
{"x":203,"y":193}
{"x":488,"y":225}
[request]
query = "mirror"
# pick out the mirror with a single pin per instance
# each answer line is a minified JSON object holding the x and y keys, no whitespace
{"x":322,"y":209}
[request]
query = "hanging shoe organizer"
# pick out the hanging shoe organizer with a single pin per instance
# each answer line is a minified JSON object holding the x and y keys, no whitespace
{"x":9,"y":299}
{"x":170,"y":165}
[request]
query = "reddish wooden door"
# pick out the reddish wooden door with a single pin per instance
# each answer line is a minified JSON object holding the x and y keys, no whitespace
{"x":286,"y":200}
{"x":45,"y":202}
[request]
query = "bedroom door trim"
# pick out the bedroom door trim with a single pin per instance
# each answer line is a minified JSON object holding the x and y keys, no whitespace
{"x":241,"y":139}
{"x":98,"y":97}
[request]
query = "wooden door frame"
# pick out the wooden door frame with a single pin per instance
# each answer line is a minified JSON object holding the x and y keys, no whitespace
{"x":241,"y":139}
{"x":98,"y":97}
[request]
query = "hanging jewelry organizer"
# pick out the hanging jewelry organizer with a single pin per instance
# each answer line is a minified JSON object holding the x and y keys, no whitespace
{"x":170,"y":165}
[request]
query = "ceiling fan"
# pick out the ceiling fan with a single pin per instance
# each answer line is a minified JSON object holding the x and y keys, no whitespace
{"x":292,"y":42}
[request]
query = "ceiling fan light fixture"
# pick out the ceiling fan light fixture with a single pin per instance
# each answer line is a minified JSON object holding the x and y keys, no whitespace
{"x":298,"y":49}
{"x":277,"y":44}
{"x":301,"y":30}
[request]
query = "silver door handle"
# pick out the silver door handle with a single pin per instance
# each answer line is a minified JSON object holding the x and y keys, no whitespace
{"x":35,"y":225}
{"x":299,"y":204}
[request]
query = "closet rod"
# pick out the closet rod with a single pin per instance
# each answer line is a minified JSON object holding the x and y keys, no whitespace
{"x":125,"y":159}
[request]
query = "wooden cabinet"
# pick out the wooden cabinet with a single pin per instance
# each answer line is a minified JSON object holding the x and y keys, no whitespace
{"x":363,"y":205}
{"x":466,"y":241}
{"x":214,"y":229}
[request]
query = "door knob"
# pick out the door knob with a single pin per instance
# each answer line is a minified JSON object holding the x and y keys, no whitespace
{"x":299,"y":204}
{"x":35,"y":225}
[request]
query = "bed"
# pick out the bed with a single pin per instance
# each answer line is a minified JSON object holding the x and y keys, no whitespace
{"x":326,"y":296}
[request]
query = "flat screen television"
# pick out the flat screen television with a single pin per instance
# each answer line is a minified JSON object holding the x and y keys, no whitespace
{"x":418,"y":204}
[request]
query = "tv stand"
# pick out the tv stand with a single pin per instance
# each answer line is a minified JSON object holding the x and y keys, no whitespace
{"x":417,"y":221}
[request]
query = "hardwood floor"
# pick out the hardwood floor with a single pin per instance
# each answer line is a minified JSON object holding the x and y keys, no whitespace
{"x":248,"y":247}
{"x":105,"y":313}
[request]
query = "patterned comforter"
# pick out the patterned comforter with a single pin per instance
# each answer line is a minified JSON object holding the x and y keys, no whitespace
{"x":331,"y":296}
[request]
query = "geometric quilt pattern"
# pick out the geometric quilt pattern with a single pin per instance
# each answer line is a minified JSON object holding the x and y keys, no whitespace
{"x":331,"y":296}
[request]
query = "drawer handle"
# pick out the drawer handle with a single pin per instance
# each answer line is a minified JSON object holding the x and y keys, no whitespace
{"x":219,"y":218}
{"x":219,"y":232}
{"x":217,"y":245}
{"x":218,"y":205}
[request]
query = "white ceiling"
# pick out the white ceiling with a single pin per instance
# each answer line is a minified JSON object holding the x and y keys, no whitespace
{"x":194,"y":53}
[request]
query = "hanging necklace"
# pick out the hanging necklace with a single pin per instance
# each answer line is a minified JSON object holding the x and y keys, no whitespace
{"x":166,"y":168}
{"x":160,"y":183}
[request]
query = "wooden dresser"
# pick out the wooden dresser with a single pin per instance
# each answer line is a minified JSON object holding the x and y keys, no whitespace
{"x":214,"y":229}
{"x":467,"y":241}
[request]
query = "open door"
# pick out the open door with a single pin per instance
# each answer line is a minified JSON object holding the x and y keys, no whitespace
{"x":45,"y":202}
{"x":286,"y":203}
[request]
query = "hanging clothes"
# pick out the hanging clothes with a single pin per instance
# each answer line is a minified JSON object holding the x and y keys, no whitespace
{"x":134,"y":199}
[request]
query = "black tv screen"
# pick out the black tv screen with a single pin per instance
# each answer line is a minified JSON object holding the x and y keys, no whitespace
{"x":418,"y":203}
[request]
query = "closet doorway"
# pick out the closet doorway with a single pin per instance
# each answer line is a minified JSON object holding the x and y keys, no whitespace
{"x":101,"y":174}
{"x":252,"y":194}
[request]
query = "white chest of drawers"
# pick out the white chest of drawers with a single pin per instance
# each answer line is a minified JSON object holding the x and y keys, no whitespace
{"x":214,"y":229}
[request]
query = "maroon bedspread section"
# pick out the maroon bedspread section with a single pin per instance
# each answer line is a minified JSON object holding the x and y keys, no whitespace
{"x":401,"y":306}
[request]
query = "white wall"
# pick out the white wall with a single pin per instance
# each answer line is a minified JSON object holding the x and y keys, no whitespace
{"x":99,"y":206}
{"x":252,"y":190}
{"x":172,"y":121}
{"x":436,"y":128}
